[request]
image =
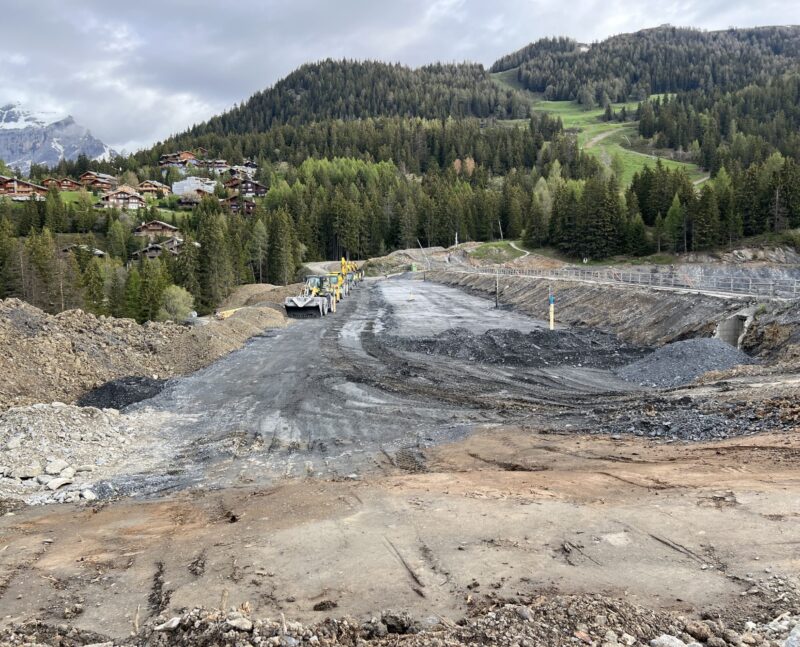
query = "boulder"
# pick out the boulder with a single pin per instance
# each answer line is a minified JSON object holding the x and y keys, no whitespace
{"x":56,"y":483}
{"x":29,"y":471}
{"x":54,"y":468}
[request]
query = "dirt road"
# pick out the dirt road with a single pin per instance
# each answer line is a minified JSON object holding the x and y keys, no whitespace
{"x":328,"y":463}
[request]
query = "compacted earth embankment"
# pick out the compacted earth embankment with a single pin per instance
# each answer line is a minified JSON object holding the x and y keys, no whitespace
{"x":642,"y":316}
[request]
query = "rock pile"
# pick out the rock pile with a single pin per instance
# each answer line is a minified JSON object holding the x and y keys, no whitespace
{"x":61,"y":357}
{"x":682,"y":362}
{"x":555,"y":621}
{"x":55,"y":451}
{"x":589,"y":348}
{"x":783,"y":631}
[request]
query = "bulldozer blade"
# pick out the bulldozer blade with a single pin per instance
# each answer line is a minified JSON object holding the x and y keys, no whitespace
{"x":308,"y":312}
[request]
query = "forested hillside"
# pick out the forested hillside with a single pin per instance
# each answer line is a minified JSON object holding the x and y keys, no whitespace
{"x":358,"y":89}
{"x":653,"y":61}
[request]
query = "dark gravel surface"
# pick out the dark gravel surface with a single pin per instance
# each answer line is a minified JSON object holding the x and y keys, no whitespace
{"x":537,"y":348}
{"x":688,"y":419}
{"x":120,"y":393}
{"x":682,"y":362}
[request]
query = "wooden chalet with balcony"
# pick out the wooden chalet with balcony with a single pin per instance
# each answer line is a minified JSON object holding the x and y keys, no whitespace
{"x":238,"y":204}
{"x":125,"y":197}
{"x":63,"y":184}
{"x":21,"y":190}
{"x":101,"y":182}
{"x":246,"y":187}
{"x":156,"y":229}
{"x":153,"y":189}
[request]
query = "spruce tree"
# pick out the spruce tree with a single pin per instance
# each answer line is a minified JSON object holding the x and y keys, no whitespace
{"x":675,"y":226}
{"x":8,"y":251}
{"x":93,"y":289}
{"x":153,"y":284}
{"x":214,"y":272}
{"x":133,"y":295}
{"x":118,"y":240}
{"x":258,"y":249}
{"x":705,"y":228}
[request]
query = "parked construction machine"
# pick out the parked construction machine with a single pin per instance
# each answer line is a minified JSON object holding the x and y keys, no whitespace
{"x":322,"y":292}
{"x":318,"y":298}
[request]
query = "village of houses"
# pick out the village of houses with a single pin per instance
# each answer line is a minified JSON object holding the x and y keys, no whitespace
{"x":241,"y":189}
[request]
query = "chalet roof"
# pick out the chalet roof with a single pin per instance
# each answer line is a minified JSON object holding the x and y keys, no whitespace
{"x":155,"y":183}
{"x":100,"y":176}
{"x":85,"y":248}
{"x":129,"y":190}
{"x":156,"y":223}
{"x":26,"y":183}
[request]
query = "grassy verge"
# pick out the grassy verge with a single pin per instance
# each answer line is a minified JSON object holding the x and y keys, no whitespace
{"x":496,"y":252}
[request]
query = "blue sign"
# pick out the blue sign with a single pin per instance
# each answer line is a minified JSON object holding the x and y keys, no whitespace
{"x":552,"y":300}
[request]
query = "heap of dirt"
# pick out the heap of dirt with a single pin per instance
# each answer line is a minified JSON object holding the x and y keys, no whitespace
{"x":552,"y":620}
{"x":682,"y":362}
{"x":512,"y":347}
{"x":545,"y":620}
{"x":61,"y":357}
{"x":261,"y":294}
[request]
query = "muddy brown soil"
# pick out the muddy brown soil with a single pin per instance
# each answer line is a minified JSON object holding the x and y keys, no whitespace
{"x":508,"y":512}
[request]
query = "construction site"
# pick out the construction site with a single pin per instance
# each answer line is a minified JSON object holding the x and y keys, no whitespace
{"x":432,"y":448}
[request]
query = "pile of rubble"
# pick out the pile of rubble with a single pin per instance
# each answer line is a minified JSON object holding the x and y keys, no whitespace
{"x":556,"y":621}
{"x":682,"y":362}
{"x":54,"y":452}
{"x":579,"y":347}
{"x":60,"y":357}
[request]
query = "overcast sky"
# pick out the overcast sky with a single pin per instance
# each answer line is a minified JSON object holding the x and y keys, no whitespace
{"x":135,"y":72}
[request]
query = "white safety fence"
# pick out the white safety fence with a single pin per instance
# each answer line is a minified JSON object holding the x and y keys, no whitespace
{"x":737,"y":285}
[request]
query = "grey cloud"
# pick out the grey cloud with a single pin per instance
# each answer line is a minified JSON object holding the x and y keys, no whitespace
{"x":138,"y":72}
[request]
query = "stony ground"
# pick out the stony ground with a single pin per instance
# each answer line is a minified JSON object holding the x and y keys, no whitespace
{"x":545,"y":620}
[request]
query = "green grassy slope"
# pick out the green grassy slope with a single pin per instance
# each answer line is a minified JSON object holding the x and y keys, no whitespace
{"x":600,"y":138}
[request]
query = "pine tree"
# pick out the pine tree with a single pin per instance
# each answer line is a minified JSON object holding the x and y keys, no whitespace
{"x":705,"y":229}
{"x":214,"y":272}
{"x":536,"y":231}
{"x":258,"y":249}
{"x":659,"y":233}
{"x":154,"y":282}
{"x":118,"y":240}
{"x":186,"y":267}
{"x":281,"y":260}
{"x":637,"y":237}
{"x":676,"y":225}
{"x":133,"y":295}
{"x":94,"y":294}
{"x":9,"y":281}
{"x":116,"y":297}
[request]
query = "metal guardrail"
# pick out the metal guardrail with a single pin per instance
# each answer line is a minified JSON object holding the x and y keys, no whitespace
{"x":735,"y":285}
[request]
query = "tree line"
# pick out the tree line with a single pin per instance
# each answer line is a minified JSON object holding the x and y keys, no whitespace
{"x":358,"y":89}
{"x":662,"y":60}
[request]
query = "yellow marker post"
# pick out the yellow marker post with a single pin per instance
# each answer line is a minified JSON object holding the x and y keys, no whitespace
{"x":552,"y":300}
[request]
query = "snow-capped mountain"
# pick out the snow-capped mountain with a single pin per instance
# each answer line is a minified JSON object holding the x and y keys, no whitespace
{"x":28,"y":137}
